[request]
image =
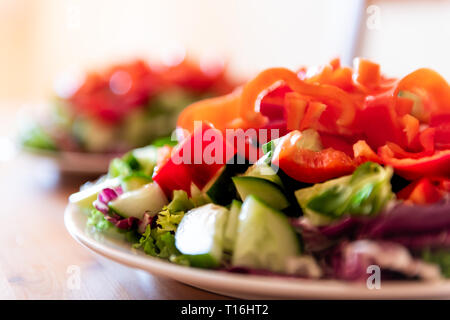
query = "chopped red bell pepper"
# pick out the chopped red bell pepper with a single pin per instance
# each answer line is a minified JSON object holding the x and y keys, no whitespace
{"x":414,"y":166}
{"x":425,"y":190}
{"x":295,"y":105}
{"x":431,"y":88}
{"x":312,"y":115}
{"x":337,"y":142}
{"x":411,"y":129}
{"x":367,"y":73}
{"x":441,"y":124}
{"x":310,"y":166}
{"x":403,"y":106}
{"x":378,"y":121}
{"x":362,"y":152}
{"x":426,"y":139}
{"x":195,"y":160}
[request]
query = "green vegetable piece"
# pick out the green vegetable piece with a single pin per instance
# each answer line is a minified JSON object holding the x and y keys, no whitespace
{"x":229,"y":237}
{"x":265,"y":239}
{"x":147,"y":199}
{"x":200,"y":235}
{"x":263,"y":170}
{"x":310,"y":140}
{"x":272,"y":194}
{"x":89,"y":192}
{"x":146,"y":157}
{"x":365,"y":192}
{"x":119,"y":168}
{"x":156,"y":244}
{"x":135,"y":181}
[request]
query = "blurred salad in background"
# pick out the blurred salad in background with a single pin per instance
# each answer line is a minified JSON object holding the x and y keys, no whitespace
{"x":125,"y":106}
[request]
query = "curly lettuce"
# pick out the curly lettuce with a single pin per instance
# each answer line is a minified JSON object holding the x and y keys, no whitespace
{"x":158,"y":240}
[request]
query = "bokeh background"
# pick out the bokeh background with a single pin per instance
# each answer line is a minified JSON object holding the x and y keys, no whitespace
{"x":47,"y":41}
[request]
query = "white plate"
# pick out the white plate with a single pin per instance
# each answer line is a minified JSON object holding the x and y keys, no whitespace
{"x":241,"y":285}
{"x":75,"y":162}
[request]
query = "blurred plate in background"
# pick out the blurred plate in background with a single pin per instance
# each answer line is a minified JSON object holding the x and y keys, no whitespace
{"x":81,"y":163}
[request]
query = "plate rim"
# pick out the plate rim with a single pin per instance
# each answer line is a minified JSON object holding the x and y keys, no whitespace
{"x":251,"y":286}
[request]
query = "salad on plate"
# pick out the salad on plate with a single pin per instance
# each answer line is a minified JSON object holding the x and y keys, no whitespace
{"x":125,"y":106}
{"x":316,"y":173}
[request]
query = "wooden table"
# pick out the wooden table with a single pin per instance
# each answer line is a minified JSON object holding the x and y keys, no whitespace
{"x":36,"y":251}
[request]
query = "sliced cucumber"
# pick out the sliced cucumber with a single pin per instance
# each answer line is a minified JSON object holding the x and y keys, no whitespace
{"x":221,"y":189}
{"x":264,"y":189}
{"x":265,"y":239}
{"x":264,"y":171}
{"x":199,"y":236}
{"x":149,"y":198}
{"x":135,"y":181}
{"x":229,"y":236}
{"x":146,"y":157}
{"x":89,"y":193}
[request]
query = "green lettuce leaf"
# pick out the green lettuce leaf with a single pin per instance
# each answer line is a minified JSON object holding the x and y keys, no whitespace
{"x":159,"y":241}
{"x":366,"y":192}
{"x":158,"y":244}
{"x":170,"y":216}
{"x":97,"y":220}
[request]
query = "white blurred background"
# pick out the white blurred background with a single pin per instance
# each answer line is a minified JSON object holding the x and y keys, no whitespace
{"x":43,"y":40}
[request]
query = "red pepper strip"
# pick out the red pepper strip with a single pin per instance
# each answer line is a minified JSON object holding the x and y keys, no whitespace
{"x":367,"y":73}
{"x":399,"y":152}
{"x":312,"y":116}
{"x":335,"y":63}
{"x":424,"y":191}
{"x":295,"y":106}
{"x":195,"y":160}
{"x":431,"y":87}
{"x":426,"y":139}
{"x":403,"y":106}
{"x":276,"y":96}
{"x":309,"y":166}
{"x":342,"y":78}
{"x":441,"y":123}
{"x":411,"y":128}
{"x":336,"y":142}
{"x":435,"y":165}
{"x":325,"y":93}
{"x":378,"y":121}
{"x":222,"y":112}
{"x":335,"y":75}
{"x":363,"y":153}
{"x":279,"y":125}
